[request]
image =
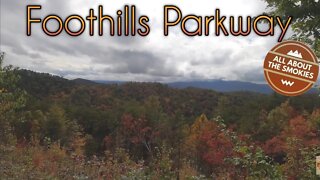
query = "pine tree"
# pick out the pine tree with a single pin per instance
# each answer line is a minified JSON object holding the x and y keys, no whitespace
{"x":11,"y":99}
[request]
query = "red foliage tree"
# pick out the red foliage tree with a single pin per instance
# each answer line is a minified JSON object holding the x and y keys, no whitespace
{"x":136,"y":131}
{"x":210,"y":143}
{"x":299,"y":129}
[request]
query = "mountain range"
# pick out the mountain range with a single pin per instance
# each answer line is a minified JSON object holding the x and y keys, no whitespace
{"x":216,"y":85}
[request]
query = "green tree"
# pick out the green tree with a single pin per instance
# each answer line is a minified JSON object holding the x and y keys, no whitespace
{"x":57,"y":125}
{"x":275,"y":122}
{"x":306,"y":19}
{"x":11,"y":99}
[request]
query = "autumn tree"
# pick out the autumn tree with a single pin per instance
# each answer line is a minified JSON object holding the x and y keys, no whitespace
{"x":194,"y":133}
{"x":209,"y":143}
{"x":315,"y":118}
{"x":136,"y":134}
{"x":215,"y":146}
{"x":295,"y":143}
{"x":275,"y":121}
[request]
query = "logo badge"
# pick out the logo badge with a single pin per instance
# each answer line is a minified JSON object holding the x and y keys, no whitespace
{"x":291,"y":68}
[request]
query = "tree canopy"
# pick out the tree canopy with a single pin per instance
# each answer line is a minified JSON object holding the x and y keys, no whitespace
{"x":306,"y":19}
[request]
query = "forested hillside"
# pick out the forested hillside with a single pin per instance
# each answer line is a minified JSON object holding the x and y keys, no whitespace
{"x":61,"y":128}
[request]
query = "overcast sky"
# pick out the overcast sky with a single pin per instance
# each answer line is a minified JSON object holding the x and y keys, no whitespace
{"x":152,"y":58}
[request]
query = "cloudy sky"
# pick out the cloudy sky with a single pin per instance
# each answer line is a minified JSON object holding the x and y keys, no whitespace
{"x":152,"y":58}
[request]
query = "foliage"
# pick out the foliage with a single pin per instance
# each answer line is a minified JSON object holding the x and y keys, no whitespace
{"x":72,"y":130}
{"x":12,"y":98}
{"x":254,"y":164}
{"x":306,"y":19}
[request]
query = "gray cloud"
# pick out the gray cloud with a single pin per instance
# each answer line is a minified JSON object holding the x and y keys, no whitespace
{"x":154,"y":58}
{"x":253,"y":75}
{"x":138,"y":63}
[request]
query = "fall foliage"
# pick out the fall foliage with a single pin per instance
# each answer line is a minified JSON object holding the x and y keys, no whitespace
{"x":64,"y":129}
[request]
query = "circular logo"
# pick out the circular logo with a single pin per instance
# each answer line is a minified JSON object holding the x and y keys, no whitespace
{"x":291,"y":68}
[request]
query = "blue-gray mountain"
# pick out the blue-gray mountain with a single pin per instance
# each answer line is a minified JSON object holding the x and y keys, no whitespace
{"x":217,"y":85}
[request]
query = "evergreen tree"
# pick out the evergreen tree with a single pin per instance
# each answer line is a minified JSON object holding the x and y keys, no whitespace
{"x":11,"y":99}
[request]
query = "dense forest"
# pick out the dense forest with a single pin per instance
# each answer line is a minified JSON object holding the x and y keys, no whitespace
{"x":54,"y":128}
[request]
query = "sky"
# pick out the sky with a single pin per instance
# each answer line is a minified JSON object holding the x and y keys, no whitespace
{"x":155,"y":57}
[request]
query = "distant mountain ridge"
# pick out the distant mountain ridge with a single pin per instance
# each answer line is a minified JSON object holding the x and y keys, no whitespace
{"x":224,"y":86}
{"x":217,"y":85}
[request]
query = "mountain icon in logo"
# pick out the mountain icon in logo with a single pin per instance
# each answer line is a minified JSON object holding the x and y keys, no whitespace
{"x":295,"y":54}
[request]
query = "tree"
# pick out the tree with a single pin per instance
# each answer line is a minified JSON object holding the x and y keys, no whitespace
{"x":296,"y":143}
{"x":315,"y":118}
{"x":195,"y":130}
{"x":136,"y":134}
{"x":29,"y":126}
{"x":11,"y":99}
{"x":275,"y":122}
{"x":252,"y":163}
{"x":209,"y":144}
{"x":56,"y":125}
{"x":306,"y":19}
